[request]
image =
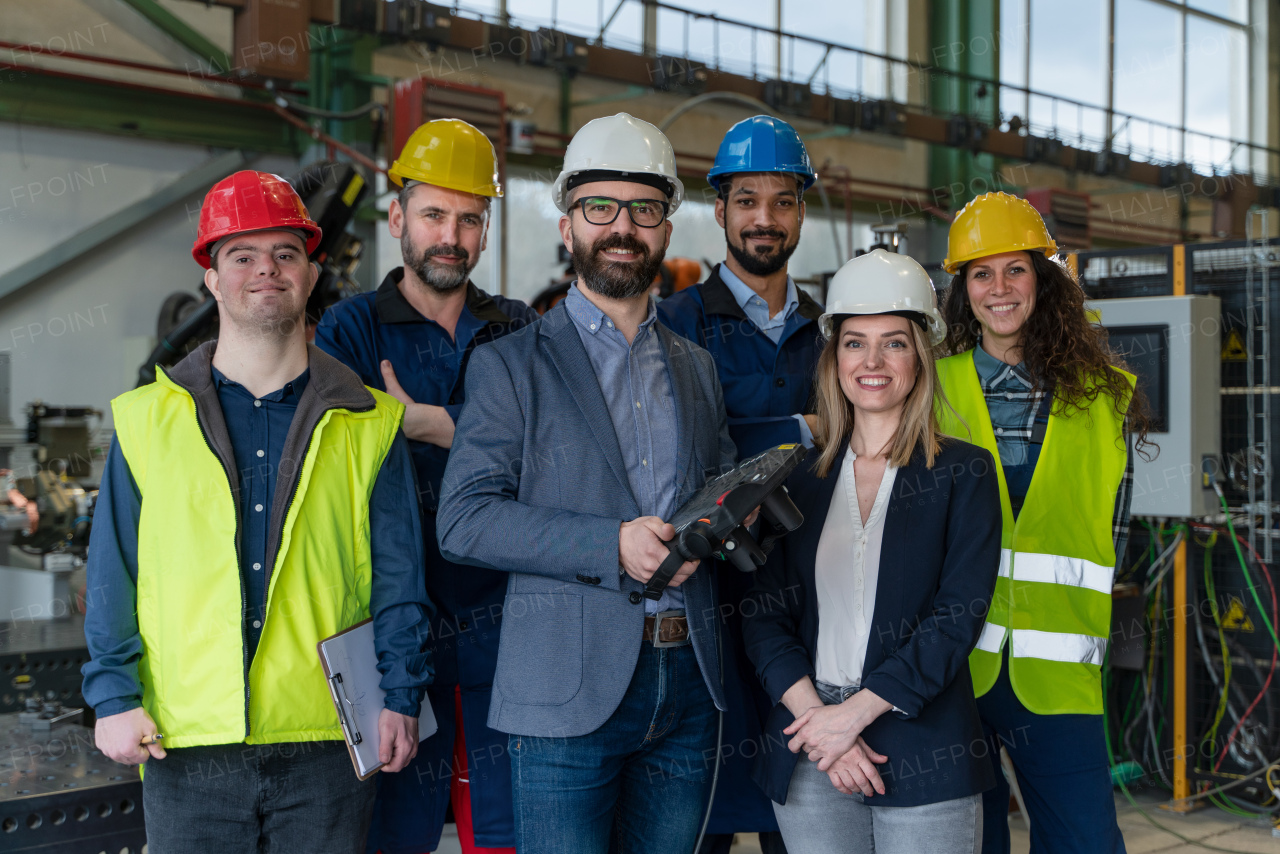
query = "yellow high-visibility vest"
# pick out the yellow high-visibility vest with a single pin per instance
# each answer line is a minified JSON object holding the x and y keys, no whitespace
{"x":198,"y":682}
{"x":1052,"y":601}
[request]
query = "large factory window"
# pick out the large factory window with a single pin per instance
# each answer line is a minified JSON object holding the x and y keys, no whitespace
{"x":1072,"y":68}
{"x":1217,"y":90}
{"x":1175,"y":75}
{"x":747,"y":50}
{"x":1148,"y":75}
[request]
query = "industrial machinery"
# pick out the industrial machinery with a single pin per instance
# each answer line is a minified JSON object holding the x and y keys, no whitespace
{"x":1192,"y":698}
{"x":40,"y":659}
{"x":1172,"y":345}
{"x":710,"y":523}
{"x":58,"y":792}
{"x":45,"y":511}
{"x":331,"y":191}
{"x":58,"y":506}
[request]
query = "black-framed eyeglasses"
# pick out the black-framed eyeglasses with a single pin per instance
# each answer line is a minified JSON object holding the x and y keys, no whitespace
{"x":602,"y":210}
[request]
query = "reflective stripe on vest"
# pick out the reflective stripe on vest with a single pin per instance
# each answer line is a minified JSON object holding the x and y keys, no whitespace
{"x":1053,"y":594}
{"x":198,"y":682}
{"x":1057,"y":569}
{"x":1049,"y":646}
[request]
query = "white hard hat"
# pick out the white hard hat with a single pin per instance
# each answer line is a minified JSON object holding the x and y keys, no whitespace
{"x":882,"y":282}
{"x":620,"y":144}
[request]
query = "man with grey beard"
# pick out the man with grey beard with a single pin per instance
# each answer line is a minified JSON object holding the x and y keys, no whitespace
{"x":414,"y":337}
{"x":581,"y":436}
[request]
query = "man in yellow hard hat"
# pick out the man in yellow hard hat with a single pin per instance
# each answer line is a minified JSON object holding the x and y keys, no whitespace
{"x":413,"y":337}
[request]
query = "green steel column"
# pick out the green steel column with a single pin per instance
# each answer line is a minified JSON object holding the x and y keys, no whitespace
{"x":341,"y":79}
{"x":965,"y":38}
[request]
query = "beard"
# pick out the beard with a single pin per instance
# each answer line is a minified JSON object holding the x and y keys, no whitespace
{"x":767,"y":262}
{"x":612,"y":279}
{"x":439,"y":277}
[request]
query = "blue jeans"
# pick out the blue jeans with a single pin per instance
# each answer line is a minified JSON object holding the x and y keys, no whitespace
{"x":251,"y":798}
{"x":1063,"y":772}
{"x":637,"y":784}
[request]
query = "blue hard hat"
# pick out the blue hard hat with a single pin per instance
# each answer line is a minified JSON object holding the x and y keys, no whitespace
{"x":761,"y":144}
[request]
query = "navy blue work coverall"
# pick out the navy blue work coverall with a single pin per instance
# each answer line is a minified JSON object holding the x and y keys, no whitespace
{"x":431,"y":367}
{"x":765,"y":386}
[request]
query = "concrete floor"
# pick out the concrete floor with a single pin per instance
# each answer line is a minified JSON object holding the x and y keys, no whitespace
{"x":1210,"y":826}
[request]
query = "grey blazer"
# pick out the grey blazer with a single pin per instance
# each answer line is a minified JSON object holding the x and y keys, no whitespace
{"x":535,"y":486}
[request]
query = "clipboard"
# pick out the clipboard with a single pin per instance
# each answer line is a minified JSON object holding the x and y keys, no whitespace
{"x":350,"y":666}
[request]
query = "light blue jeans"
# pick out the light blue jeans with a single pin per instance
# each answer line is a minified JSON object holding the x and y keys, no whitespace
{"x":819,"y":819}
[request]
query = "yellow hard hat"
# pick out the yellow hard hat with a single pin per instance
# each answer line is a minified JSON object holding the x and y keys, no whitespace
{"x":992,"y":224}
{"x":449,"y":153}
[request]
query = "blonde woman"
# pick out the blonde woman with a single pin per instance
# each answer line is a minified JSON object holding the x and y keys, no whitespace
{"x":863,"y":619}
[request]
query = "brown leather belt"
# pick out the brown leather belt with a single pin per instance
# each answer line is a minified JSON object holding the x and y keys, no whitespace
{"x":670,"y":628}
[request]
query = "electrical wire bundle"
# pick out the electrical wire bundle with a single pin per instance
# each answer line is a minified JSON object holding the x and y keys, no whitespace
{"x":1142,"y":717}
{"x":1241,"y":729}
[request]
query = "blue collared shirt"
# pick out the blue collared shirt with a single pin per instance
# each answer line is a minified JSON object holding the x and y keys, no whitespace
{"x":757,"y":311}
{"x":754,"y":306}
{"x":257,"y":433}
{"x":257,"y":428}
{"x":636,"y":384}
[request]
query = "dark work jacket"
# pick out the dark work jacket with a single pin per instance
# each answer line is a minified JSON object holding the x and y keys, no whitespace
{"x":938,"y":565}
{"x":431,"y":367}
{"x":765,"y":384}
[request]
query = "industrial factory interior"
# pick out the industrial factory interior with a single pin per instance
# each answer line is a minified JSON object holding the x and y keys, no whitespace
{"x":645,"y":426}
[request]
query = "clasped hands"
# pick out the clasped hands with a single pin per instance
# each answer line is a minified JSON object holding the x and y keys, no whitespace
{"x":831,"y":736}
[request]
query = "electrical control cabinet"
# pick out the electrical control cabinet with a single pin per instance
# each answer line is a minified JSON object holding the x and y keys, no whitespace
{"x":1173,"y":344}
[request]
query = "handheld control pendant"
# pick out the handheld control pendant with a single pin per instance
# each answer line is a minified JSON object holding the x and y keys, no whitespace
{"x":710,"y":523}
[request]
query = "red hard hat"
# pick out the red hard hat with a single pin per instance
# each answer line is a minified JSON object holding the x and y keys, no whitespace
{"x":250,"y":201}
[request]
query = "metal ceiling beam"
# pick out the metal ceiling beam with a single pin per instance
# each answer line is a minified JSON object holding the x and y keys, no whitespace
{"x":43,"y":96}
{"x":183,"y":33}
{"x":118,"y":223}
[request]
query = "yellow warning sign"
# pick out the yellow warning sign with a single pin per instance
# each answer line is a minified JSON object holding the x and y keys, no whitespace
{"x":353,"y":189}
{"x":1236,"y":620}
{"x":1233,"y":349}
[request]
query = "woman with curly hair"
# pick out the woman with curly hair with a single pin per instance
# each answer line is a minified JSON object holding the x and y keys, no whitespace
{"x":1031,"y":379}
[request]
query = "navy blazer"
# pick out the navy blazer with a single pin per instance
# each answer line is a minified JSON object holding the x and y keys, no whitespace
{"x":938,"y":565}
{"x":536,"y":487}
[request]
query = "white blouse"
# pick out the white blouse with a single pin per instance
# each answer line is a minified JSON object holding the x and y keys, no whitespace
{"x":846,"y":574}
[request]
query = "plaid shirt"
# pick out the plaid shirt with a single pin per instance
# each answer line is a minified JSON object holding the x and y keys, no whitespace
{"x":1012,"y":401}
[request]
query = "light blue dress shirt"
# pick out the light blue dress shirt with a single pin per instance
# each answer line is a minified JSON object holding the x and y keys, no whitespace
{"x":636,"y":384}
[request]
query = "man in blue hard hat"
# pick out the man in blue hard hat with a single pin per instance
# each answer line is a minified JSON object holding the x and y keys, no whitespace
{"x":762,"y":332}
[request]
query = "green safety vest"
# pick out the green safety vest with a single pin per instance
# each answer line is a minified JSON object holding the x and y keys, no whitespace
{"x":199,"y":685}
{"x":1052,"y":601}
